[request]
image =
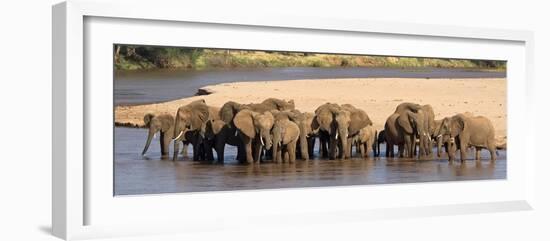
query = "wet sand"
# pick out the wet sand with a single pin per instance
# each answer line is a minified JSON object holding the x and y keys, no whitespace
{"x":377,"y":96}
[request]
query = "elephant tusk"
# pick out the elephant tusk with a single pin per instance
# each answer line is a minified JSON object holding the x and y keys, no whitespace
{"x":262,"y":141}
{"x":336,"y":135}
{"x":236,"y":132}
{"x":307,"y":136}
{"x":438,"y":136}
{"x":155,"y":136}
{"x":178,"y":137}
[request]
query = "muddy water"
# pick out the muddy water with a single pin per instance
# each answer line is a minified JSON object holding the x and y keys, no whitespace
{"x":135,"y":174}
{"x":140,"y":87}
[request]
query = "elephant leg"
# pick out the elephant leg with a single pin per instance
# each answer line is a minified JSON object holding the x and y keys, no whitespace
{"x":279,"y":155}
{"x":165,"y":140}
{"x":401,"y":150}
{"x":362,"y":149}
{"x":241,"y":153}
{"x":310,"y":146}
{"x":196,"y":151}
{"x":324,"y":146}
{"x":389,"y":149}
{"x":478,"y":154}
{"x":493,"y":150}
{"x":248,"y":149}
{"x":176,"y":147}
{"x":332,"y":148}
{"x":286,"y":153}
{"x":208,"y":152}
{"x":291,"y":147}
{"x":219,"y":145}
{"x":408,"y":146}
{"x":184,"y":149}
{"x":257,"y":148}
{"x":368,"y":149}
{"x":463,"y":152}
{"x":349,"y":148}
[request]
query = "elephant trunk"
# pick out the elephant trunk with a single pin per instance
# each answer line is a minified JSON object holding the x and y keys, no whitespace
{"x":342,"y":134}
{"x":276,"y":144}
{"x":303,"y":143}
{"x":149,"y":138}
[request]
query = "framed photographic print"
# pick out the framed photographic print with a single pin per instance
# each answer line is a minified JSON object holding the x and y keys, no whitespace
{"x":162,"y":120}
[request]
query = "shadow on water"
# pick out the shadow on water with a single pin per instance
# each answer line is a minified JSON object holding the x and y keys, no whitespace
{"x":135,"y":174}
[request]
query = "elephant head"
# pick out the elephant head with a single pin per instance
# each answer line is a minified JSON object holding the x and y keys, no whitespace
{"x":285,"y":133}
{"x":191,"y":117}
{"x":452,"y":126}
{"x":413,"y":124}
{"x":255,"y":125}
{"x":350,"y":121}
{"x":450,"y":131}
{"x":161,"y":123}
{"x":308,"y":129}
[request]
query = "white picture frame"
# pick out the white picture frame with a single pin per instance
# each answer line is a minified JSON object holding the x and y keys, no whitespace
{"x":83,"y":207}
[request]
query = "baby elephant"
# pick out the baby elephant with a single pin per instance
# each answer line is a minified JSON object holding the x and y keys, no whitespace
{"x":285,"y":136}
{"x":366,"y":141}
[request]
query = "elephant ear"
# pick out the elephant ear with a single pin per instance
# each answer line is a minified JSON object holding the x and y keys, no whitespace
{"x":458,"y":122}
{"x":315,"y":123}
{"x":167,"y":121}
{"x":404,"y":122}
{"x":147,"y":119}
{"x":359,"y":120}
{"x":199,"y":115}
{"x":244,"y":122}
{"x":229,"y":110}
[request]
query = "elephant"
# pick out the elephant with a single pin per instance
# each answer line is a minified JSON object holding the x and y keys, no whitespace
{"x":424,"y":132}
{"x":191,"y":118}
{"x":336,"y":121}
{"x":408,"y":121}
{"x":366,"y":141}
{"x":230,"y":109}
{"x":254,"y":129}
{"x":308,"y":133}
{"x":325,"y":121}
{"x":438,"y":139}
{"x":285,"y":136}
{"x":464,"y":131}
{"x":217,"y":134}
{"x":163,"y":123}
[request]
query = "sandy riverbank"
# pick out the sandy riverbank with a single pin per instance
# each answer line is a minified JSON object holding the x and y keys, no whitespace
{"x":377,"y":96}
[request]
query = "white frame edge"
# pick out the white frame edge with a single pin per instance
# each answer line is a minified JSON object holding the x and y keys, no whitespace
{"x":68,"y":106}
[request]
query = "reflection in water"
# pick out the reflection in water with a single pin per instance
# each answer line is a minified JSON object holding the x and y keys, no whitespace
{"x":135,"y":174}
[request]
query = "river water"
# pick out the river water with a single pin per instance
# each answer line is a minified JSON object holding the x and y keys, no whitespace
{"x":135,"y":174}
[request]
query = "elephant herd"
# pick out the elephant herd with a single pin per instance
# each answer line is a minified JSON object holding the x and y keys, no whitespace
{"x":275,"y":130}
